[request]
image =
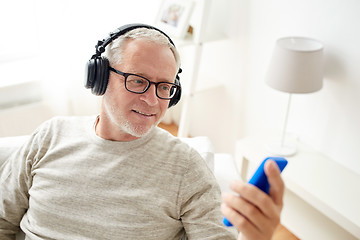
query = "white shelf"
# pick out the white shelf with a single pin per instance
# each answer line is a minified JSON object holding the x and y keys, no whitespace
{"x":318,"y":180}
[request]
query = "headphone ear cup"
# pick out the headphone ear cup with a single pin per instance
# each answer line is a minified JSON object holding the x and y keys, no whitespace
{"x":177,"y":96}
{"x":101,"y":76}
{"x":90,"y":73}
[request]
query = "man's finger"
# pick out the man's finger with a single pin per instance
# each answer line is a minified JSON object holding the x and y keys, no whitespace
{"x":276,"y":190}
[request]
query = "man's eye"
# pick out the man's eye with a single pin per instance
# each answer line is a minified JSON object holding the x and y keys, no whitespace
{"x":138,"y":81}
{"x":165,"y":87}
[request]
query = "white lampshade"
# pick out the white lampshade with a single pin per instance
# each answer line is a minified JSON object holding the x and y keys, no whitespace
{"x":296,"y":65}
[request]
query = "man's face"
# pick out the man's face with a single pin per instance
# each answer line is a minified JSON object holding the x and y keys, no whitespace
{"x":130,"y":115}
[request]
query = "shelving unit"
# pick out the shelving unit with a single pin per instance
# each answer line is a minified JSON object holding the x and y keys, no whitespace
{"x":198,"y":21}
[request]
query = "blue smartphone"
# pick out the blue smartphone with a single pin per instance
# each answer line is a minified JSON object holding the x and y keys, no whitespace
{"x":259,"y":178}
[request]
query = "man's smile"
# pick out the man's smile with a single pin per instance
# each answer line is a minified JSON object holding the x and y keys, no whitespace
{"x":144,"y":114}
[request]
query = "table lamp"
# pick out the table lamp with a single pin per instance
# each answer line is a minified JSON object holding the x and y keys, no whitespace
{"x":296,"y":66}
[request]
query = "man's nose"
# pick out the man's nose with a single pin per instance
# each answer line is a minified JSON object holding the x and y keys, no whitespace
{"x":150,"y":96}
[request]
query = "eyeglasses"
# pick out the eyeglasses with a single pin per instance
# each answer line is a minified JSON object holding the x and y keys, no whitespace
{"x":137,"y":84}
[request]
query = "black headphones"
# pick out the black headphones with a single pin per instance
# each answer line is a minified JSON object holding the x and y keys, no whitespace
{"x":97,"y":68}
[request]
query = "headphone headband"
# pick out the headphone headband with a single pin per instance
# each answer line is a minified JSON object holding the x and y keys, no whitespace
{"x":101,"y":45}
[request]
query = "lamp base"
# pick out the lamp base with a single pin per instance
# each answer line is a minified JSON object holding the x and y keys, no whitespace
{"x":284,"y":150}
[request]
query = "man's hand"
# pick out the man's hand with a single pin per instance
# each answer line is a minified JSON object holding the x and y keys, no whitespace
{"x":255,"y":214}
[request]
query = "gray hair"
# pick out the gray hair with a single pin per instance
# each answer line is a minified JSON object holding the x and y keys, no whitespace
{"x":114,"y":50}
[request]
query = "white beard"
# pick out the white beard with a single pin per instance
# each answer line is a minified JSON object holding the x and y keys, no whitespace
{"x":125,"y":125}
{"x":135,"y":131}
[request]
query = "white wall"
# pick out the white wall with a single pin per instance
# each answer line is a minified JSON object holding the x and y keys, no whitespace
{"x":329,"y":119}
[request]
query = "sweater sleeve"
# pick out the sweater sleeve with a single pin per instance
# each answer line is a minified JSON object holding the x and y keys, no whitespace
{"x":15,"y":182}
{"x":200,"y":203}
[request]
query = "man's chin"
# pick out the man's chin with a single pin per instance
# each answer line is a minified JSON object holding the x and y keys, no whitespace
{"x":137,"y":131}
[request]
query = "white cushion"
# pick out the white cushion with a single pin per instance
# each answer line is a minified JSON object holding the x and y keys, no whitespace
{"x":8,"y":145}
{"x":225,"y":170}
{"x":204,"y":147}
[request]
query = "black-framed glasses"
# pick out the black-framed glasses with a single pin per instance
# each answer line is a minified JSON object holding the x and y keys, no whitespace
{"x":137,"y":84}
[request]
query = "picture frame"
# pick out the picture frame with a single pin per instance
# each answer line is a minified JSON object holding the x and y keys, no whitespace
{"x":173,"y":17}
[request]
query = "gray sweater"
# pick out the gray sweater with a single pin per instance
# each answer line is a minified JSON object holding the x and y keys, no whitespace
{"x":68,"y":183}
